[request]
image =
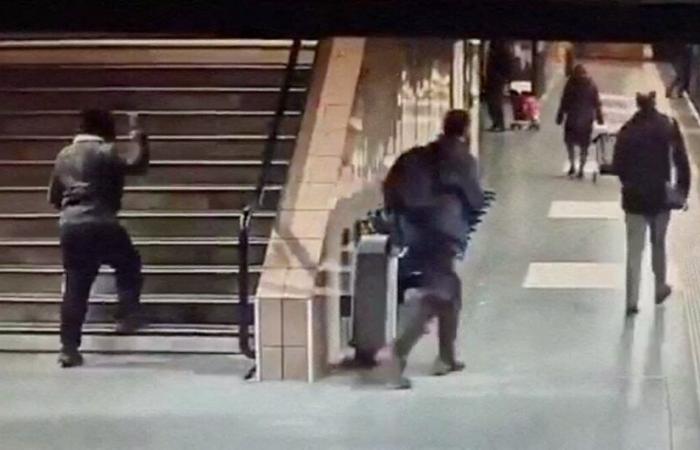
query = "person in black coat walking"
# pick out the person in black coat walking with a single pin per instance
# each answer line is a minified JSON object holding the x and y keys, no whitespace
{"x":680,"y":59}
{"x":499,"y":67}
{"x":647,"y":147}
{"x":580,"y":106}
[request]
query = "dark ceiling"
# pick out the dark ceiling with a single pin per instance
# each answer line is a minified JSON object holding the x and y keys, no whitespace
{"x":603,"y":20}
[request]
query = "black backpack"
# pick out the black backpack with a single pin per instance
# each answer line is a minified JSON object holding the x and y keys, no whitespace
{"x":410,"y":185}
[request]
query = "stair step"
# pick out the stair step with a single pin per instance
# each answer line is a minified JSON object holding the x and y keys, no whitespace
{"x":153,"y":251}
{"x":204,"y":75}
{"x":32,"y":199}
{"x":108,"y":328}
{"x":70,"y":42}
{"x":160,"y":279}
{"x":52,"y":123}
{"x":99,"y":337}
{"x":145,"y":98}
{"x":159,"y":309}
{"x":204,"y":340}
{"x":163,"y":147}
{"x":146,"y":224}
{"x":98,"y":52}
{"x":153,"y":270}
{"x":37,"y":173}
{"x":150,"y":299}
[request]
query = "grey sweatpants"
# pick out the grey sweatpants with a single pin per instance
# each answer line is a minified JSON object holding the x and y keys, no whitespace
{"x":636,"y":235}
{"x":420,"y":310}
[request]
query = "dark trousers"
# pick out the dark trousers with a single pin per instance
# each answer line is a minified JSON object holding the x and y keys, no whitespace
{"x":421,"y":311}
{"x":680,"y":80}
{"x":85,"y":248}
{"x":494,"y":103}
{"x":437,"y":293}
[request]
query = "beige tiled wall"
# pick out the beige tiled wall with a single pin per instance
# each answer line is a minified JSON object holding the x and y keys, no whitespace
{"x":287,"y":310}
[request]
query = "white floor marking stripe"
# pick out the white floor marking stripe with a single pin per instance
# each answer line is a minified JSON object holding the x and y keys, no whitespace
{"x":566,"y":275}
{"x":585,"y":210}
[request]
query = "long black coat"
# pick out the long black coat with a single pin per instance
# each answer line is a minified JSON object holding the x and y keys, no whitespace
{"x":580,"y":106}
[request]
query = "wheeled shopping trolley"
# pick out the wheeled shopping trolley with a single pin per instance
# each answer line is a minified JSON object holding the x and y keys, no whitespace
{"x":604,"y":144}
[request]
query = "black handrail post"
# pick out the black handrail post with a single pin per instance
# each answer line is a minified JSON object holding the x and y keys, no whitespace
{"x":246,"y":314}
{"x":244,"y":301}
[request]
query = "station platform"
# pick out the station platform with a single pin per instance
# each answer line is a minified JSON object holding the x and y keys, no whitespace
{"x":552,"y":363}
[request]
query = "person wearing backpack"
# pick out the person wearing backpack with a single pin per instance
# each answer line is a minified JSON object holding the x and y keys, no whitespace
{"x":431,"y":192}
{"x":648,"y":146}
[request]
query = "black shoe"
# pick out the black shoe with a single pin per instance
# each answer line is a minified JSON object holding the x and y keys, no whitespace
{"x":632,"y":311}
{"x":663,"y":294}
{"x":497,"y":129}
{"x":579,"y":175}
{"x":70,"y":358}
{"x":129,"y":325}
{"x":572,"y":171}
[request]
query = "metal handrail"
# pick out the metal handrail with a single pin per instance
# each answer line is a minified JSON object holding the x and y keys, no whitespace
{"x":251,"y":207}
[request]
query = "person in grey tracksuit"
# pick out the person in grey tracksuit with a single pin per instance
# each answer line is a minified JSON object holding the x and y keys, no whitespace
{"x":442,"y":187}
{"x":648,"y":146}
{"x":86,"y":186}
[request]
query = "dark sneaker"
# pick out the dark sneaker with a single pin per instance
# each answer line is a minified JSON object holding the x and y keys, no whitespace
{"x":70,"y":358}
{"x":129,"y":325}
{"x":572,"y":171}
{"x":441,"y":368}
{"x":663,"y":294}
{"x":632,"y":311}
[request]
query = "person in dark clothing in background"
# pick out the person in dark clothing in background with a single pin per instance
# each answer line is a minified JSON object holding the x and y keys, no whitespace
{"x":499,"y":67}
{"x":647,"y":147}
{"x":580,"y":106}
{"x":86,"y":186}
{"x":680,"y":59}
{"x":432,"y":190}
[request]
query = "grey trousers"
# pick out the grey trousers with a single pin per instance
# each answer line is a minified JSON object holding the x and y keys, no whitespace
{"x":420,"y":310}
{"x":636,"y":236}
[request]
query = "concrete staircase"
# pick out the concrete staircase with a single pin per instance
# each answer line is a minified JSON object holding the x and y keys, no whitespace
{"x":207,"y":106}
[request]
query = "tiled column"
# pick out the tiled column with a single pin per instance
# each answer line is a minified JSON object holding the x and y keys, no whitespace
{"x":289,"y":315}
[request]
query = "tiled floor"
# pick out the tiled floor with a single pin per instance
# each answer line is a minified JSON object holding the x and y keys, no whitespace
{"x":547,"y":368}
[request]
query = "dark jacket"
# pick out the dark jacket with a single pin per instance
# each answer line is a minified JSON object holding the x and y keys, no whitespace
{"x":642,"y":160}
{"x":499,"y":67}
{"x":87,"y":182}
{"x":580,"y":106}
{"x":431,"y":190}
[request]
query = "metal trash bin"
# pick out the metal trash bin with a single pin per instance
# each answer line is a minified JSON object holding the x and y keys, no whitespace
{"x":375,"y":291}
